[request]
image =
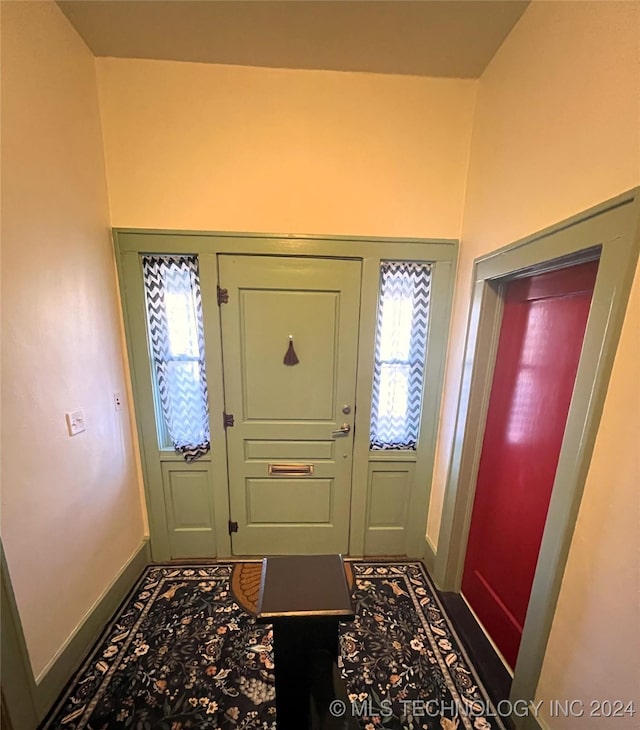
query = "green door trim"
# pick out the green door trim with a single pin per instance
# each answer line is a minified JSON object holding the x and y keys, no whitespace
{"x":610,"y":231}
{"x":130,"y":243}
{"x":18,"y":683}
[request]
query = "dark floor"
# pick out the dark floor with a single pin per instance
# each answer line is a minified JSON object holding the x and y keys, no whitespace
{"x":488,"y":664}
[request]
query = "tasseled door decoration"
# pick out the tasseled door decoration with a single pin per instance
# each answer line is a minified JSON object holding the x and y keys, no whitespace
{"x":290,"y":357}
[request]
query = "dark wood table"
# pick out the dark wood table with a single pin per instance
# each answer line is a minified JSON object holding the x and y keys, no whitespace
{"x":305,"y":597}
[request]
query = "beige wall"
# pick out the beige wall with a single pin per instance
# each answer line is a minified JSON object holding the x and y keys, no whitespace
{"x":230,"y":148}
{"x":556,"y":130}
{"x":71,"y":514}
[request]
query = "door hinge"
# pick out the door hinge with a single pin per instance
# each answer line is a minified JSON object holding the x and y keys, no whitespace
{"x":223,"y":296}
{"x":233,"y":527}
{"x":228,"y":420}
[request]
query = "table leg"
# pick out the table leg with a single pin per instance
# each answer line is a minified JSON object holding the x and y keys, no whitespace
{"x":292,"y":677}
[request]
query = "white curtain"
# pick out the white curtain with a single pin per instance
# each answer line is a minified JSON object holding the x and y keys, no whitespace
{"x":401,"y":342}
{"x":174,"y":316}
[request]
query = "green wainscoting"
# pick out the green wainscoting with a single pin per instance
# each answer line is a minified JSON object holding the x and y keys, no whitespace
{"x":388,"y":499}
{"x":188,"y":498}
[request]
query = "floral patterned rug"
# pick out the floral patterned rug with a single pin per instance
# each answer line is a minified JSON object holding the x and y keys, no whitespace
{"x":182,"y":654}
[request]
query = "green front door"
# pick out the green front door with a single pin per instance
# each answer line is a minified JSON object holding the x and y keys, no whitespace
{"x":290,"y":447}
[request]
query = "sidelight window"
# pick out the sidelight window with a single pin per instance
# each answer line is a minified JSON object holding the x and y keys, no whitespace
{"x":176,"y":337}
{"x":401,"y":343}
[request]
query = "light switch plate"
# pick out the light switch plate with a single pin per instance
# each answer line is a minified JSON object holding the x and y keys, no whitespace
{"x":75,"y":422}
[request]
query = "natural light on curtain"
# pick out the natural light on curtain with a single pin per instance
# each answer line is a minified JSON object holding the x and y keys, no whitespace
{"x":401,"y":343}
{"x":174,"y":317}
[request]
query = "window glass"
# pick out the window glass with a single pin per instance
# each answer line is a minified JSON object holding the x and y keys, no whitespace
{"x":401,"y":343}
{"x":176,"y":336}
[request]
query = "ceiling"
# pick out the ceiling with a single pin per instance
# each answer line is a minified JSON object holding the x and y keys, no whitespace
{"x":449,"y":38}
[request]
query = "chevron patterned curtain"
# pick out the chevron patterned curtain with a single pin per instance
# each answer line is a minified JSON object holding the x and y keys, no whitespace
{"x":174,"y":317}
{"x":401,"y":343}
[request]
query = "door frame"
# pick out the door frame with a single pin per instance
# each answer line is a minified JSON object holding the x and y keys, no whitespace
{"x":130,"y":243}
{"x":609,"y":231}
{"x":19,"y":690}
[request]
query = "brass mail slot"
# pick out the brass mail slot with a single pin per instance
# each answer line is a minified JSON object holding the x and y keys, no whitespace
{"x":290,"y":470}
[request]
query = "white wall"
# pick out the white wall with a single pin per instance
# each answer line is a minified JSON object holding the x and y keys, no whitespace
{"x":557,"y":130}
{"x":207,"y":147}
{"x":71,"y":513}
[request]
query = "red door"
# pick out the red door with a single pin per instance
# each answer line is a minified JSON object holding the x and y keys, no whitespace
{"x":538,"y":352}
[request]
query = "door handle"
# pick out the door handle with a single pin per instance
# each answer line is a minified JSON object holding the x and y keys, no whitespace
{"x":342,"y":431}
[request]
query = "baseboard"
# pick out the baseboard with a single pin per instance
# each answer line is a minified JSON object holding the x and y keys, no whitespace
{"x":18,"y":685}
{"x":53,"y":678}
{"x":429,"y":558}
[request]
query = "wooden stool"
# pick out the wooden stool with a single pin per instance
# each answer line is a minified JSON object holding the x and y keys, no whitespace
{"x":305,"y":597}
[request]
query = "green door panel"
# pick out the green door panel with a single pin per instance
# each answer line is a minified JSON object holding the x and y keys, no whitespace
{"x":279,"y":392}
{"x":189,"y":508}
{"x":289,"y":501}
{"x":285,"y":415}
{"x":388,"y":500}
{"x":304,"y":450}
